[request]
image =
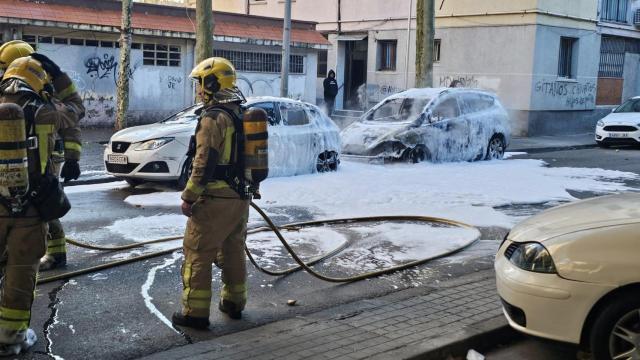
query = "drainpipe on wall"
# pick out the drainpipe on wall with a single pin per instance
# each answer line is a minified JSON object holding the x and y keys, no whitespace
{"x":247,"y":7}
{"x":339,"y":17}
{"x":406,"y":72}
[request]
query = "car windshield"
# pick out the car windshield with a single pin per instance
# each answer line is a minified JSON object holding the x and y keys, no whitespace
{"x":629,"y":106}
{"x":399,"y":110}
{"x":183,"y":117}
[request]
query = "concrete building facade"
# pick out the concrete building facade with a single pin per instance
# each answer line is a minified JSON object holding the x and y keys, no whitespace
{"x":82,"y":37}
{"x":558,"y":66}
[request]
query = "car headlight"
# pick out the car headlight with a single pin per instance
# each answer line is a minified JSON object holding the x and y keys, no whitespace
{"x":154,"y":143}
{"x":600,"y":123}
{"x":532,"y":257}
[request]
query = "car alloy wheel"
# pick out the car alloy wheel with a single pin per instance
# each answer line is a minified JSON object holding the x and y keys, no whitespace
{"x":624,"y":339}
{"x":327,"y":161}
{"x":495,"y":151}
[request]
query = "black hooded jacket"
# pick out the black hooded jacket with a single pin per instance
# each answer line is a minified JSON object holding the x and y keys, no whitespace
{"x":330,"y":86}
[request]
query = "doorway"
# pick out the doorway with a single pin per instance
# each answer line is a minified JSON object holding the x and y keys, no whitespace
{"x":355,"y":76}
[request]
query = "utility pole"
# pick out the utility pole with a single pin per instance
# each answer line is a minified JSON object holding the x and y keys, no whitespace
{"x":204,"y":32}
{"x":425,"y":33}
{"x":286,"y":50}
{"x":122,"y":93}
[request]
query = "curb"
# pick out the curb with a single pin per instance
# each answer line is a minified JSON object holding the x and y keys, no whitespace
{"x":91,"y":181}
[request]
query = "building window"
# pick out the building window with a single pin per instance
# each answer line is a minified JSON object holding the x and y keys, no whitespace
{"x":161,"y":55}
{"x":566,"y":63}
{"x":322,"y":63}
{"x":91,"y":42}
{"x":77,"y":42}
{"x":60,"y":41}
{"x":436,"y":50}
{"x":387,"y":55}
{"x":614,"y":10}
{"x":30,"y":39}
{"x":45,"y":39}
{"x":260,"y":62}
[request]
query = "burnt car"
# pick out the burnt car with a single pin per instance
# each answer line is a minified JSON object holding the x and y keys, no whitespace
{"x":434,"y":124}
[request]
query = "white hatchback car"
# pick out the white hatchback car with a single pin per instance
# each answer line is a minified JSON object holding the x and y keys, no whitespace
{"x":572,"y":273}
{"x":302,"y":140}
{"x":622,"y":126}
{"x":435,"y":124}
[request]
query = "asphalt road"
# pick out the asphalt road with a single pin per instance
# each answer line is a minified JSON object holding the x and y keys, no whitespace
{"x":121,"y":313}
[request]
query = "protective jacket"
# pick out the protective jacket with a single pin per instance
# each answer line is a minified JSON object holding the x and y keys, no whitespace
{"x":330,"y":85}
{"x":61,"y":115}
{"x":214,"y":146}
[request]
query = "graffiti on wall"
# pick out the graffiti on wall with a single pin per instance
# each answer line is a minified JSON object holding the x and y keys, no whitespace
{"x":375,"y":93}
{"x":468,"y":81}
{"x":101,"y":67}
{"x":571,"y":94}
{"x":173,"y":82}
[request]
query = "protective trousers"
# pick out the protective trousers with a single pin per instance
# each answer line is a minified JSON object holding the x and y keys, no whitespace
{"x":56,"y":243}
{"x":22,"y":244}
{"x":216,"y":225}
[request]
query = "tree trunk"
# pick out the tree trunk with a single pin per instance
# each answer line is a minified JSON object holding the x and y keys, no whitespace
{"x":425,"y":33}
{"x":286,"y":50}
{"x":122,"y":94}
{"x":204,"y":32}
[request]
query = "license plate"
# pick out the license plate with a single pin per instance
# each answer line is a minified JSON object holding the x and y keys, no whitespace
{"x":618,"y":135}
{"x":117,"y":159}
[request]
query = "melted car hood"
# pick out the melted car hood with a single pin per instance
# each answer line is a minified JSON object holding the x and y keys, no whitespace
{"x":152,"y":131}
{"x":361,"y":138}
{"x":581,"y":215}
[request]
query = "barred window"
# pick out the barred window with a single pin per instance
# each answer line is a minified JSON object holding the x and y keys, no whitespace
{"x":260,"y":62}
{"x":436,"y":50}
{"x":566,"y":63}
{"x":161,"y":55}
{"x":387,"y":55}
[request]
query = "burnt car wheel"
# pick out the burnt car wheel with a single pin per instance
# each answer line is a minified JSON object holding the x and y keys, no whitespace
{"x":327,"y":161}
{"x":416,"y":154}
{"x":616,"y":330}
{"x":495,"y":150}
{"x":185,"y":174}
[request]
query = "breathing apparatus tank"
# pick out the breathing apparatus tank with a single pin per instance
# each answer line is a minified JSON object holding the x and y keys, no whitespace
{"x":256,"y":145}
{"x":14,"y":172}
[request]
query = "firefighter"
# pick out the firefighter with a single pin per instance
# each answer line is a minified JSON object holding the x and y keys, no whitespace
{"x":23,"y":229}
{"x":217,"y":213}
{"x":66,"y":152}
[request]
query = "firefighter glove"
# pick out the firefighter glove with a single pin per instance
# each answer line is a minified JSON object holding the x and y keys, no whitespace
{"x":48,"y":65}
{"x":70,"y":170}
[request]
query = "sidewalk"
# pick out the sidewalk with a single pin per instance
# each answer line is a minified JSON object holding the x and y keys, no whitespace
{"x":429,"y":322}
{"x":538,"y":144}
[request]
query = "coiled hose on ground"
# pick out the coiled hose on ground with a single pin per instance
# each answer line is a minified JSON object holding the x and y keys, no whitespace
{"x":277,"y":230}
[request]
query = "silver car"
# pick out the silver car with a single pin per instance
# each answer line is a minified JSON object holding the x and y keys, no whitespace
{"x":434,"y":124}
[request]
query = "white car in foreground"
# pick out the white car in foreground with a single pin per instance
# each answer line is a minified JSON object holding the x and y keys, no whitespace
{"x":302,"y":140}
{"x":572,"y":273}
{"x":434,"y":124}
{"x":622,"y":126}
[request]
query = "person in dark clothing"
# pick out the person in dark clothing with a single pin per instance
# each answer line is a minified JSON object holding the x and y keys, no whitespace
{"x":330,"y":91}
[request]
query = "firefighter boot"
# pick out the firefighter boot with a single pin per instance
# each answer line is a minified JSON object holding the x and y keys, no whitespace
{"x":200,"y":323}
{"x":230,"y":309}
{"x":25,"y":339}
{"x":56,"y":247}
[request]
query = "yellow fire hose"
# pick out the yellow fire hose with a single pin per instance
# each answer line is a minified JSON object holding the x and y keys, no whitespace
{"x":277,"y":230}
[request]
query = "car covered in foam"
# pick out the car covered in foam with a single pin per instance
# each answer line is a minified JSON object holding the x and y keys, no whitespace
{"x":302,"y":140}
{"x":435,"y":124}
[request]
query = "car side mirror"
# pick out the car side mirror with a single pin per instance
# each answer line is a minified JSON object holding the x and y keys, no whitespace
{"x":614,"y":109}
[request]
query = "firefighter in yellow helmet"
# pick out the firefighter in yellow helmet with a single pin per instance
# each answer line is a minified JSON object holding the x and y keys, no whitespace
{"x":23,"y":228}
{"x":67,"y":147}
{"x":217,"y":213}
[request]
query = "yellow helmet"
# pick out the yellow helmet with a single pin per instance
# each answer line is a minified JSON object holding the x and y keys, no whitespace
{"x":214,"y":74}
{"x":12,"y":50}
{"x":28,"y":70}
